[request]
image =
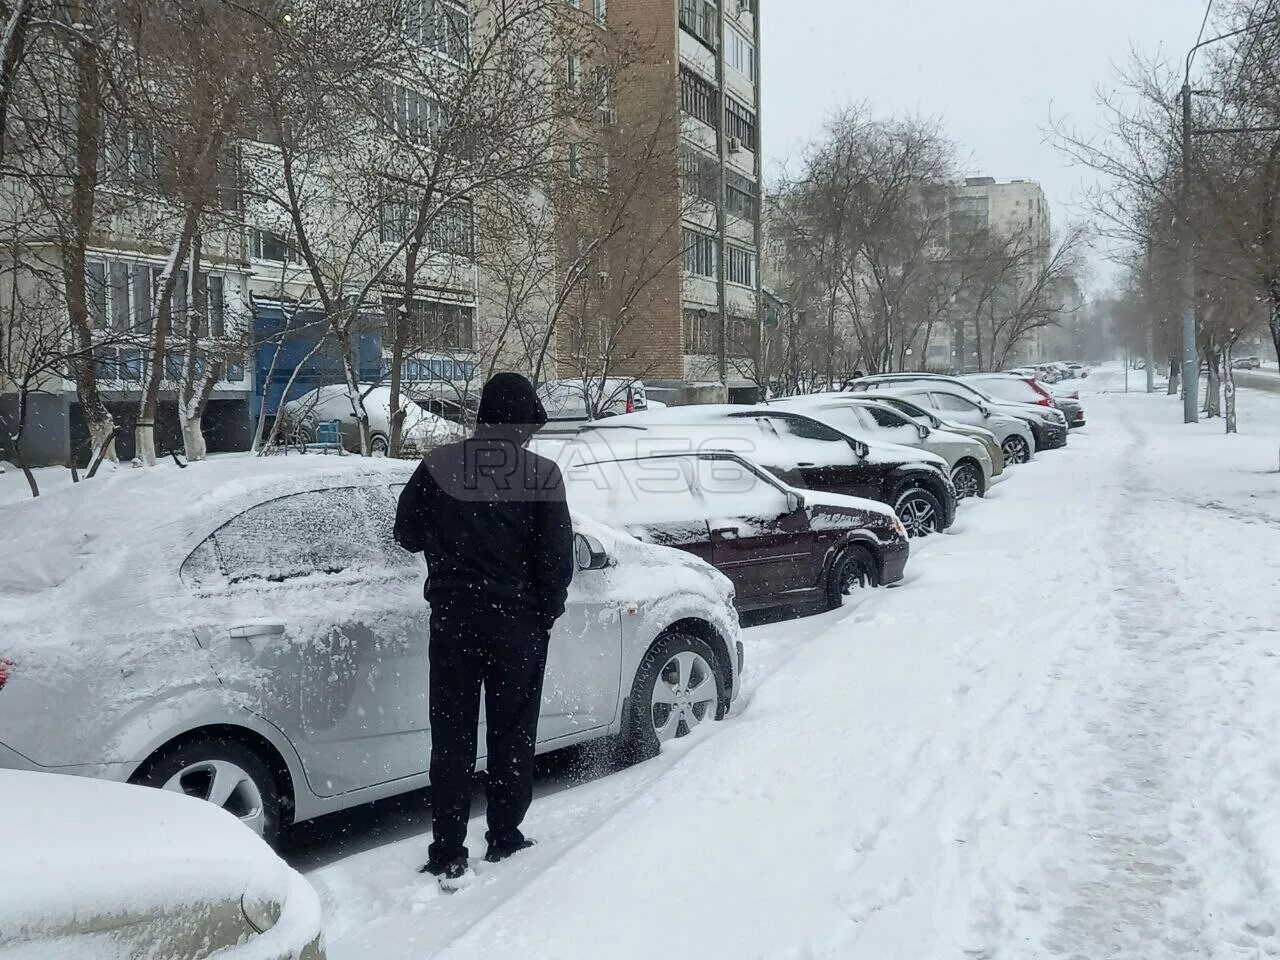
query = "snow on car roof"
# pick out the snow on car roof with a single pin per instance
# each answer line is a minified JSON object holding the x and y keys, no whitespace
{"x":99,"y":520}
{"x":78,"y":850}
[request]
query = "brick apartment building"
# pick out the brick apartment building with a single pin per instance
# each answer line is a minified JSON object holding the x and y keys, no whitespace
{"x":698,"y":332}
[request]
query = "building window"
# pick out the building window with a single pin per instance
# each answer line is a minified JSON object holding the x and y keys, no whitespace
{"x":740,"y":266}
{"x":411,"y":116}
{"x":741,"y":196}
{"x":740,"y":53}
{"x":701,"y":331}
{"x":128,"y":157}
{"x":449,"y":232}
{"x":698,"y":97}
{"x":698,"y":19}
{"x":573,"y":72}
{"x":699,"y":174}
{"x":700,"y":254}
{"x":272,"y":247}
{"x":434,"y":324}
{"x":601,"y":10}
{"x":442,"y":26}
{"x":575,"y":160}
{"x":740,"y":122}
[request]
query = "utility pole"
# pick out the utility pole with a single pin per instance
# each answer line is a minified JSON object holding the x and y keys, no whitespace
{"x":1190,"y":362}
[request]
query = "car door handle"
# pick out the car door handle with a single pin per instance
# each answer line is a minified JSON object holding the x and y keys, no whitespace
{"x":256,"y":630}
{"x":806,"y":464}
{"x":729,"y":533}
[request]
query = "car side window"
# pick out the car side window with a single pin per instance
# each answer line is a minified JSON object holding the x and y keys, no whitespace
{"x":321,"y":532}
{"x":730,"y":489}
{"x":884,"y":418}
{"x":806,"y":429}
{"x":948,"y":401}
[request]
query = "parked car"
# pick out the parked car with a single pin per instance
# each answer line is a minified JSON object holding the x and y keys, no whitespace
{"x":1247,"y":363}
{"x":588,"y":399}
{"x":778,"y":545}
{"x":1078,"y":370}
{"x":1030,"y":390}
{"x":422,"y":429}
{"x":1048,"y":373}
{"x":94,"y":869}
{"x":1048,"y":425}
{"x":930,"y":418}
{"x":264,"y":644}
{"x":967,"y":459}
{"x":806,"y":454}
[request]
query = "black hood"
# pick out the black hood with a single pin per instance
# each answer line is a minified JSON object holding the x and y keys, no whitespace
{"x":510,"y":408}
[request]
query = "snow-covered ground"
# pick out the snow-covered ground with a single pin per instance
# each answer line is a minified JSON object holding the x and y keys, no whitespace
{"x":1056,"y":739}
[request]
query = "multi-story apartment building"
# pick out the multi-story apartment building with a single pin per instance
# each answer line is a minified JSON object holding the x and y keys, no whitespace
{"x":699,"y":332}
{"x":1012,"y":209}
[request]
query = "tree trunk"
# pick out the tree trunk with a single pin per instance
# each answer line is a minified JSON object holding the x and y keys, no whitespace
{"x":88,"y":137}
{"x":15,"y":441}
{"x":1213,"y":392}
{"x":1175,"y":374}
{"x":343,"y":332}
{"x":1229,"y":391}
{"x":145,"y":429}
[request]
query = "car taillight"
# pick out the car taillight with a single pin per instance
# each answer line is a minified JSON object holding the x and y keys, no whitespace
{"x":6,"y":669}
{"x":631,"y":405}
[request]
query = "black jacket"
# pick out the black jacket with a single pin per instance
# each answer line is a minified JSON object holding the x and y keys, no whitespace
{"x":490,"y":515}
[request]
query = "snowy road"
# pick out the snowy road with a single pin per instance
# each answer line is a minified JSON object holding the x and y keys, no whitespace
{"x":1058,"y":738}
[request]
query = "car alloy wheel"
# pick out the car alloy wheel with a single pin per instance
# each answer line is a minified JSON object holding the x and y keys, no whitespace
{"x":918,"y":514}
{"x":968,"y":481}
{"x":379,"y":447}
{"x":1016,"y":450}
{"x":685,"y":694}
{"x":854,"y":570}
{"x":226,"y":784}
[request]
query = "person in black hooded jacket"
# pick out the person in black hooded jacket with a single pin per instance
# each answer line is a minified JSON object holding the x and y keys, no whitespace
{"x":492,"y":520}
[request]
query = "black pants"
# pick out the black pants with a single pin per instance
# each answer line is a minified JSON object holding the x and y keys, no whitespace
{"x":473,"y":642}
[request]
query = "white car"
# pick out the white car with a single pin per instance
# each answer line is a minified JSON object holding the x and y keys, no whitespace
{"x":968,"y":460}
{"x":576,"y":401}
{"x":1017,"y":440}
{"x":262,"y":642}
{"x":108,"y":870}
{"x":422,"y":430}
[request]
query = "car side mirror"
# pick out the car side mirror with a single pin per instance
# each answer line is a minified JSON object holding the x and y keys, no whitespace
{"x":795,"y":502}
{"x":986,"y":411}
{"x":860,"y":449}
{"x":589,"y":553}
{"x":923,"y":431}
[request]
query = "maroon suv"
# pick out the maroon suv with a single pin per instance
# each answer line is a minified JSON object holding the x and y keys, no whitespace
{"x":778,"y":545}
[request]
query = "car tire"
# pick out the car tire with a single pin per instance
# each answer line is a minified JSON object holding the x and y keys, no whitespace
{"x":1016,"y":450}
{"x":920,"y":512}
{"x":379,"y":446}
{"x":854,"y":569}
{"x":205,"y":762}
{"x":671,"y":656}
{"x":967,"y":478}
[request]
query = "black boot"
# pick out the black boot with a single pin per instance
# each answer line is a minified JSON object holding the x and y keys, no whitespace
{"x":452,"y":874}
{"x":499,"y":852}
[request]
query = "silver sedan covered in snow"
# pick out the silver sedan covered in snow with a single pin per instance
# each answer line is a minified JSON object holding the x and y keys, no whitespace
{"x":246,"y":631}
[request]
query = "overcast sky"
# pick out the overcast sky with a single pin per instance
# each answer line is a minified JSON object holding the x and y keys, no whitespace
{"x":995,"y":71}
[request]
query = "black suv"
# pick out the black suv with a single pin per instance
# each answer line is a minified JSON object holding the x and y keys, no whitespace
{"x":799,"y":450}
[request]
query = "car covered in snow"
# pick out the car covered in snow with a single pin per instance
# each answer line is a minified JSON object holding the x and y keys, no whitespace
{"x":931,"y":419}
{"x":968,"y":460}
{"x":584,"y":399}
{"x":261,"y":641}
{"x":1047,"y":423}
{"x":422,"y":431}
{"x":108,"y":870}
{"x":1031,"y":390}
{"x":804,"y":453}
{"x":778,"y":545}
